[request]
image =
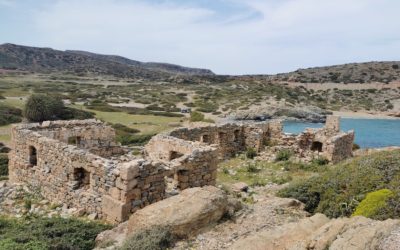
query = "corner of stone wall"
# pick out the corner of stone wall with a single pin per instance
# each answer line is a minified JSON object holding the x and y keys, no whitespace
{"x":332,"y":123}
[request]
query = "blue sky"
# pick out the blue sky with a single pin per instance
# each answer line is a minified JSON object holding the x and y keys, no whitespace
{"x":226,"y":36}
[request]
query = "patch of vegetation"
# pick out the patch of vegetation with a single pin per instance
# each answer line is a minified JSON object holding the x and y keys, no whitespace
{"x":135,"y":139}
{"x":251,"y":153}
{"x":283,"y":155}
{"x":373,"y":203}
{"x":41,"y":107}
{"x":35,"y":233}
{"x":158,"y":238}
{"x":196,"y":116}
{"x":320,"y":161}
{"x":9,"y":115}
{"x":3,"y":165}
{"x":69,"y":113}
{"x":260,"y":173}
{"x":126,"y":135}
{"x":339,"y":189}
{"x":355,"y":146}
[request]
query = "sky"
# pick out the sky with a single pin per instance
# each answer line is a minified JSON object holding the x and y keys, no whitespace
{"x":227,"y":36}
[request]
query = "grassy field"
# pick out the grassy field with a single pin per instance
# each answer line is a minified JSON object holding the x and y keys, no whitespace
{"x":14,"y":102}
{"x":5,"y":135}
{"x":147,"y":124}
{"x":260,"y":173}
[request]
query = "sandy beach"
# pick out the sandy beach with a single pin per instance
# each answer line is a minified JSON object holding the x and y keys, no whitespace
{"x":363,"y":115}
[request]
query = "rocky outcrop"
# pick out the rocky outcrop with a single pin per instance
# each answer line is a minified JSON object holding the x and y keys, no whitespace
{"x":185,"y":214}
{"x":283,"y":237}
{"x":319,"y":233}
{"x":305,"y":113}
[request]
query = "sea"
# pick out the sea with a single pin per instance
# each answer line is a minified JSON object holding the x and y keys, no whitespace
{"x":369,"y":133}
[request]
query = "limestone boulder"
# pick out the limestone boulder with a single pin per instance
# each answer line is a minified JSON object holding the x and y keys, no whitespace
{"x":284,"y":237}
{"x":320,"y":233}
{"x":185,"y":214}
{"x":360,"y":233}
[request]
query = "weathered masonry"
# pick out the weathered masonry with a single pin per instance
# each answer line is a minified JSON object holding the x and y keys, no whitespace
{"x":77,"y":163}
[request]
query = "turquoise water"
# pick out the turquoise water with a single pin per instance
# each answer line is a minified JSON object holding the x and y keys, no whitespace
{"x":369,"y":133}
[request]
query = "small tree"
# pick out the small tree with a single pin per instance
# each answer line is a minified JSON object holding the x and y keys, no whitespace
{"x":40,"y":107}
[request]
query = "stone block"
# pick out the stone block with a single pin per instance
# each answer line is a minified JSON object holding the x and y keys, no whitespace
{"x":114,"y":210}
{"x":115,"y":193}
{"x":130,"y":170}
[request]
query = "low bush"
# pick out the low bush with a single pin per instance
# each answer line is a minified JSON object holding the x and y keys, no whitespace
{"x":373,"y":203}
{"x":69,"y":113}
{"x":9,"y":115}
{"x":252,"y":168}
{"x":99,"y":105}
{"x":134,"y":139}
{"x":36,"y":233}
{"x":3,"y":164}
{"x":283,"y":155}
{"x":196,"y":116}
{"x":320,"y":161}
{"x":251,"y":153}
{"x":158,"y":238}
{"x":128,"y":136}
{"x":120,"y":128}
{"x":356,"y":146}
{"x":340,"y":188}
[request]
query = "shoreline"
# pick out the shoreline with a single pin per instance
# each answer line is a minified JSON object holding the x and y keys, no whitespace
{"x":362,"y":115}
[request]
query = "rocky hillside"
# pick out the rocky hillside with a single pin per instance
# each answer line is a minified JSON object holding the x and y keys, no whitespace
{"x":46,"y":60}
{"x":347,"y":73}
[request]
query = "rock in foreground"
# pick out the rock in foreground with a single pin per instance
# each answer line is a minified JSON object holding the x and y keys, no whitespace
{"x":185,"y":214}
{"x":319,"y":233}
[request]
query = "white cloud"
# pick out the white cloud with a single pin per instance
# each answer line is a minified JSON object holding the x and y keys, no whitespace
{"x":285,"y":34}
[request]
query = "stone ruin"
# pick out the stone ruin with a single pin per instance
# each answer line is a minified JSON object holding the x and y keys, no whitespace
{"x":76,"y":163}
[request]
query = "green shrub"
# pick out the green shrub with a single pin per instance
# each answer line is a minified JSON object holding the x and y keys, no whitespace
{"x":134,"y":139}
{"x":3,"y":164}
{"x":252,"y":168}
{"x":340,"y":188}
{"x":149,"y":239}
{"x":9,"y":115}
{"x":120,"y":128}
{"x":320,"y":161}
{"x":373,"y":203}
{"x":40,"y":107}
{"x":196,"y":116}
{"x":283,"y":155}
{"x":34,"y":233}
{"x":356,"y":146}
{"x":251,"y":153}
{"x":304,"y":192}
{"x":69,"y":113}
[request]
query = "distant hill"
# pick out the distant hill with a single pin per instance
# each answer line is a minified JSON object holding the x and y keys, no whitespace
{"x":347,"y":73}
{"x":81,"y":63}
{"x":46,"y":60}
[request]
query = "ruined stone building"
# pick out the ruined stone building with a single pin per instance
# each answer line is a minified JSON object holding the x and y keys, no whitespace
{"x":75,"y":162}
